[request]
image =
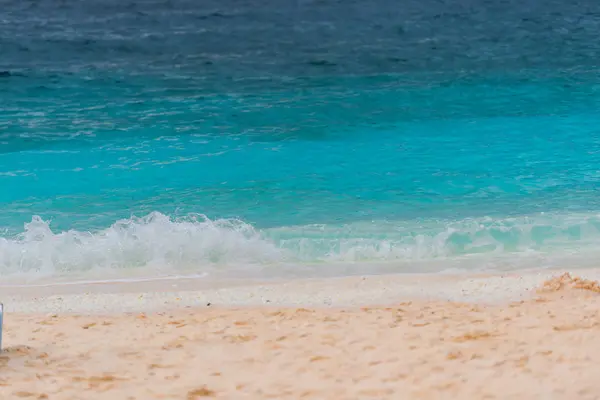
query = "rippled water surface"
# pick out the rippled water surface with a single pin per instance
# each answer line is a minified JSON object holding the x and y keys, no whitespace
{"x":297,"y":138}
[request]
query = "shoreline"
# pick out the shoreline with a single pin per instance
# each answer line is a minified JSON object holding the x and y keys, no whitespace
{"x":376,"y":337}
{"x":152,"y":295}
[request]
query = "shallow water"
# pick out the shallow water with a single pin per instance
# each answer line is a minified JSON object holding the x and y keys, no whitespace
{"x":297,"y":138}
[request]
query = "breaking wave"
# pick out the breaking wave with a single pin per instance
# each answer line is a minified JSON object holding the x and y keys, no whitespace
{"x":198,"y":245}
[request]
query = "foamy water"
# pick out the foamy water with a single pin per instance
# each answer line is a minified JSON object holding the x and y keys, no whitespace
{"x":157,"y":245}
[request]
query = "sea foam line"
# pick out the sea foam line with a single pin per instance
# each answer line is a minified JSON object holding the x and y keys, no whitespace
{"x":197,"y":245}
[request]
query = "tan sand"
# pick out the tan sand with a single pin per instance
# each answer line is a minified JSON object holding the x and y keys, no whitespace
{"x":546,"y":346}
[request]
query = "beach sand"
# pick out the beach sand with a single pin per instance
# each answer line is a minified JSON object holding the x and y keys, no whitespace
{"x":382,"y":337}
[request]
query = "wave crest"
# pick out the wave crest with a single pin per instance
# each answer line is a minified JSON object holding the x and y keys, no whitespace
{"x":198,"y":245}
{"x":155,"y":240}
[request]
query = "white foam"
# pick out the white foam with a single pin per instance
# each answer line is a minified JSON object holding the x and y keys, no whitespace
{"x":154,"y":241}
{"x":158,"y":245}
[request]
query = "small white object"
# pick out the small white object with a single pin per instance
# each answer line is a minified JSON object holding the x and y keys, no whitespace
{"x":1,"y":315}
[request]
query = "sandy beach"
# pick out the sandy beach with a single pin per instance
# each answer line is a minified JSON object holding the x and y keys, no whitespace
{"x":527,"y":335}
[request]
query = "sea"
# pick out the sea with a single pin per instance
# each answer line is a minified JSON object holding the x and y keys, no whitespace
{"x":297,"y":138}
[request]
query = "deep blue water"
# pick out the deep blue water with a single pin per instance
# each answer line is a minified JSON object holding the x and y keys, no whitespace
{"x":273,"y":138}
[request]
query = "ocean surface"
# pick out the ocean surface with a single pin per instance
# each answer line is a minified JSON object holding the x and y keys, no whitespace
{"x":265,"y":138}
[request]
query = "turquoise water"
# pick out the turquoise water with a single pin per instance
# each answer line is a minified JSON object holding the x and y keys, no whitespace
{"x":296,"y":139}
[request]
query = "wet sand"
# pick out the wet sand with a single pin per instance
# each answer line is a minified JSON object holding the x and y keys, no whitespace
{"x":443,"y":337}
